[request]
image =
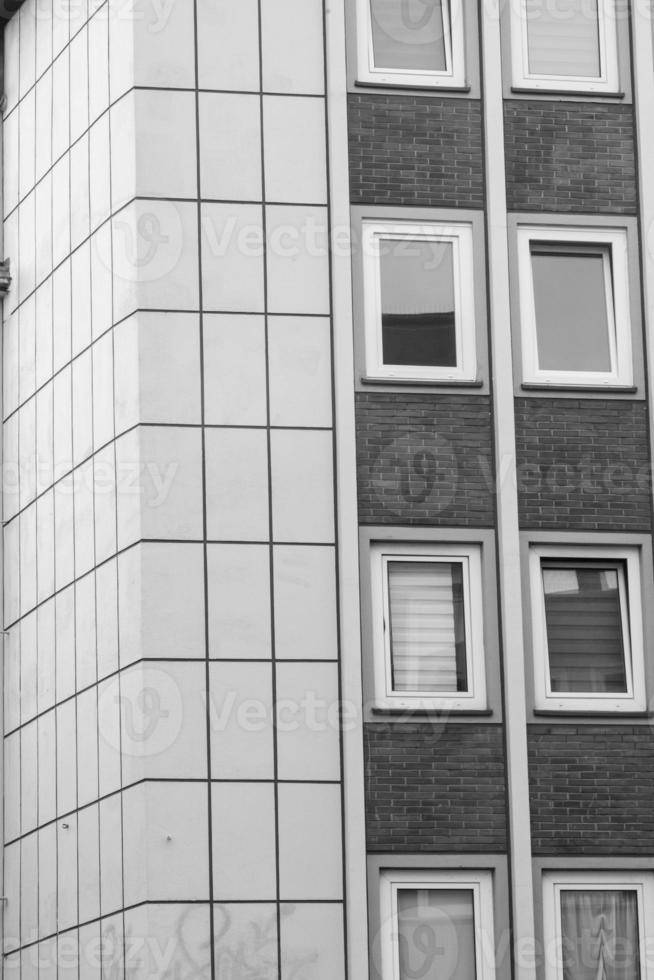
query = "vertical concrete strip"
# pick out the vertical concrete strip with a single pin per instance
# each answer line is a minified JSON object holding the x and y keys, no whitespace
{"x":507,"y":501}
{"x":346,"y":490}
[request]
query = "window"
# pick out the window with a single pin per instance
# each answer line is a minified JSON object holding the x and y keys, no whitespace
{"x":419,"y":318}
{"x":428,"y":630}
{"x":437,"y":924}
{"x":595,"y":925}
{"x":587,"y":628}
{"x":574,"y":306}
{"x":568,"y":45}
{"x":415,"y":42}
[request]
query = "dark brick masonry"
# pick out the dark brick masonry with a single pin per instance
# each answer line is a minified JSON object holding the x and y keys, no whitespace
{"x":424,"y":459}
{"x":592,"y":789}
{"x":435,"y":788}
{"x":423,"y":151}
{"x":567,"y":156}
{"x":583,"y":464}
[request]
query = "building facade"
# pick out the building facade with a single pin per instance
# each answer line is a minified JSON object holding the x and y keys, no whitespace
{"x":327,"y":500}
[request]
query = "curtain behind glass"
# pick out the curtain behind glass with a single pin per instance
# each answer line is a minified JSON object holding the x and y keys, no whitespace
{"x":563,"y":38}
{"x":408,"y":34}
{"x":599,"y":931}
{"x":436,"y":934}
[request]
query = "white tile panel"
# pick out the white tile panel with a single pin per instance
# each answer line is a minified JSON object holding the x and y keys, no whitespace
{"x":292,"y":39}
{"x":228,"y":44}
{"x":88,"y":842}
{"x":297,"y":259}
{"x":299,"y":357}
{"x":65,"y":643}
{"x":28,"y":777}
{"x":310,"y":857}
{"x":111,"y":855}
{"x":87,"y":747}
{"x":85,"y":630}
{"x":232,"y":258}
{"x":237,"y":484}
{"x":243,"y":841}
{"x":45,"y":616}
{"x":305,"y":603}
{"x":165,"y":143}
{"x":66,"y":757}
{"x":230,"y":146}
{"x":48,"y":880}
{"x":66,"y":882}
{"x":166,"y":851}
{"x":312,"y":936}
{"x":107,"y":618}
{"x":47,"y":767}
{"x":302,"y":486}
{"x":239,"y":601}
{"x":29,"y":905}
{"x":235,"y":370}
{"x":295,"y":156}
{"x":241,"y":714}
{"x":172,"y":743}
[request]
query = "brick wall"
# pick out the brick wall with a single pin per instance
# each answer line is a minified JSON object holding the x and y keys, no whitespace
{"x":422,"y":151}
{"x":567,"y":156}
{"x":583,"y":464}
{"x":592,"y":789}
{"x":424,"y":459}
{"x":434,"y":787}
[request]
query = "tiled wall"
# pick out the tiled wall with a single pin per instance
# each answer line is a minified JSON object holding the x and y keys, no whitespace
{"x":172,"y":657}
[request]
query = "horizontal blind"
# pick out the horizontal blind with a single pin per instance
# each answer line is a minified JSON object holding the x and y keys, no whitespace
{"x":584,"y":630}
{"x":427,"y":626}
{"x":563,"y":39}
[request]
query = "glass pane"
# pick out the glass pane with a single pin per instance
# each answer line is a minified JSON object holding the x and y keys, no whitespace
{"x":408,"y":34}
{"x":600,"y":935}
{"x":571,"y":315}
{"x":436,"y":934}
{"x":584,"y":630}
{"x":563,"y":38}
{"x":417,"y":295}
{"x":428,"y":646}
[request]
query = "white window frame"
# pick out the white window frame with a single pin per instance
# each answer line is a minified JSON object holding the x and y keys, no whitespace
{"x":454,"y":76}
{"x":554,"y":882}
{"x":634,"y":699}
{"x":478,"y":882}
{"x":470,"y":558}
{"x":606,"y":83}
{"x":616,"y":277}
{"x":460,"y":236}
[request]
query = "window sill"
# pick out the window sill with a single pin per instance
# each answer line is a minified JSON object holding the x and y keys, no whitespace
{"x":420,"y":382}
{"x":430,"y":712}
{"x":436,"y":88}
{"x":590,"y":713}
{"x":559,"y":386}
{"x":576,"y":93}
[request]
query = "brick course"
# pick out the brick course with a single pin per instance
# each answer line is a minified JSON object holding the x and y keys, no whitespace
{"x":434,"y":787}
{"x":423,"y":151}
{"x":567,"y":156}
{"x":583,"y":464}
{"x":424,"y":459}
{"x":592,"y":789}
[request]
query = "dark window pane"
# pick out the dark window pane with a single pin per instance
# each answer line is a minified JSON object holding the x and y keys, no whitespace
{"x":584,"y":629}
{"x":600,"y":938}
{"x":428,"y":645}
{"x":417,"y":294}
{"x":436,"y":934}
{"x":563,"y":38}
{"x":571,"y":315}
{"x":408,"y":34}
